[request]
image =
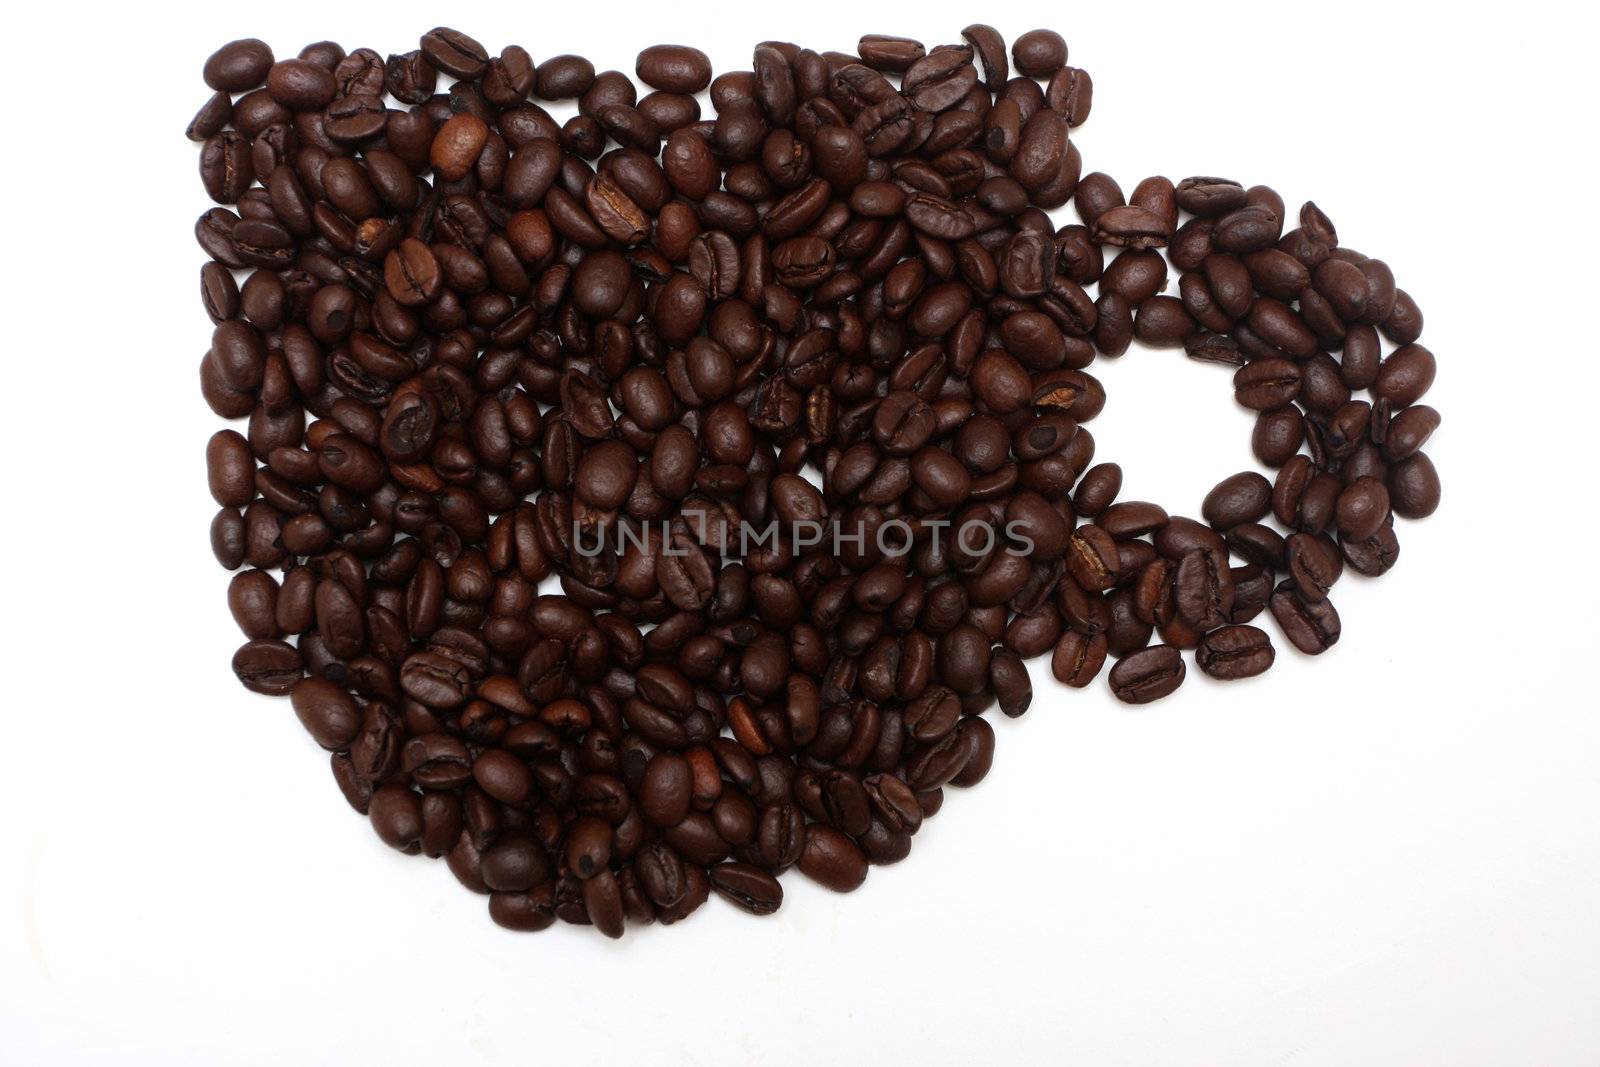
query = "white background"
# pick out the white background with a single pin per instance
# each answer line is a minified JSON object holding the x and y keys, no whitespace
{"x":1388,"y":856}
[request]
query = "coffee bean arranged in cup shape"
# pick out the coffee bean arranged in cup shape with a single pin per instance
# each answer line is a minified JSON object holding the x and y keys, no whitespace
{"x":1147,"y":675}
{"x":1238,"y":651}
{"x":640,"y":506}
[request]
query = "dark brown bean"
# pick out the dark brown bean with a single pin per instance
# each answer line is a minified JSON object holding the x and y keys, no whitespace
{"x":1147,"y":675}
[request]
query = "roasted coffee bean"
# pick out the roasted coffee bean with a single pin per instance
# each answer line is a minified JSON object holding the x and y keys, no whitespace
{"x":454,"y":52}
{"x":747,"y":887}
{"x":1234,"y":652}
{"x":268,"y":665}
{"x":832,"y":860}
{"x":226,"y":166}
{"x":665,"y":793}
{"x":1374,"y":555}
{"x":503,"y":776}
{"x":1267,"y":384}
{"x":789,"y":399}
{"x":1210,"y":197}
{"x":238,"y":66}
{"x":1008,"y":677}
{"x":1252,"y":586}
{"x":1078,"y":658}
{"x":300,"y":85}
{"x":1414,"y":487}
{"x":1092,"y":558}
{"x":1404,"y":376}
{"x":1313,"y":565}
{"x":674,"y":68}
{"x":1404,"y":324}
{"x":1132,"y":226}
{"x":514,"y":863}
{"x":1241,"y":498}
{"x":457,"y":145}
{"x":1362,"y":509}
{"x":396,"y":815}
{"x":1097,"y":489}
{"x":1039,"y":53}
{"x":1162,"y":322}
{"x":1312,"y":626}
{"x":1408,"y":431}
{"x":1132,"y":518}
{"x":1147,"y":675}
{"x":1203,"y":590}
{"x":1278,"y":435}
{"x":328,"y":713}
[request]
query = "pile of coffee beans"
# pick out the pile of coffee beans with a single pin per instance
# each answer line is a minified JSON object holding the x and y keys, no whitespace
{"x":642,"y":504}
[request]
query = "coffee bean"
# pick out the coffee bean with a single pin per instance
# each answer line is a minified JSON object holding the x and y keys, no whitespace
{"x":1312,"y":626}
{"x":1252,"y":587}
{"x":514,"y":863}
{"x":1267,"y":384}
{"x":1203,"y":590}
{"x":1008,"y":677}
{"x":454,"y":52}
{"x":1147,"y":675}
{"x":396,"y":815}
{"x":226,"y":166}
{"x":328,"y":713}
{"x":231,"y":469}
{"x":1097,"y":489}
{"x":268,"y":666}
{"x":832,"y":860}
{"x":1374,"y":555}
{"x":1405,"y":376}
{"x":503,"y":776}
{"x":1278,"y":435}
{"x":1078,"y":658}
{"x":1238,"y":499}
{"x":1039,"y":53}
{"x":1313,"y":565}
{"x":300,"y":85}
{"x":1210,"y":197}
{"x":665,"y":792}
{"x":1234,"y":652}
{"x":1362,"y":509}
{"x":1162,"y":322}
{"x":238,"y":65}
{"x":1408,"y":431}
{"x":1132,"y":226}
{"x":253,"y":600}
{"x":1404,"y":324}
{"x":412,"y":273}
{"x":747,"y":887}
{"x":674,"y":68}
{"x":457,"y":144}
{"x":1414,"y":487}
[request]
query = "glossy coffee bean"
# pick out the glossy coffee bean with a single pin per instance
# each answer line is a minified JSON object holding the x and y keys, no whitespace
{"x":1078,"y":658}
{"x":832,"y":860}
{"x":238,"y":66}
{"x":674,"y":68}
{"x":1414,"y":487}
{"x":328,"y":713}
{"x":1147,"y":675}
{"x":747,"y":887}
{"x":1312,"y":626}
{"x":1039,"y":53}
{"x":1238,"y":499}
{"x":1233,"y":652}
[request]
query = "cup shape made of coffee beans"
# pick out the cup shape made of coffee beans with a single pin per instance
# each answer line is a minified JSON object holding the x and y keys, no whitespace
{"x":639,"y":504}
